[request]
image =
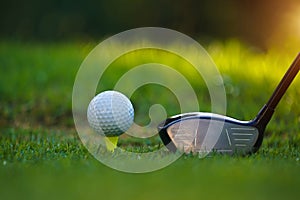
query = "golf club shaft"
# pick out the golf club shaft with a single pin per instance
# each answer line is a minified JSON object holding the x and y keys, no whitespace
{"x":284,"y":83}
{"x":266,"y":113}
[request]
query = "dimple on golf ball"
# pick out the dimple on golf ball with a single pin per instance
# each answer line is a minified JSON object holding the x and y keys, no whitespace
{"x":110,"y":113}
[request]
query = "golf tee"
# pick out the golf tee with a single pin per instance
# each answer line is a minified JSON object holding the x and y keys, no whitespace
{"x":111,"y":143}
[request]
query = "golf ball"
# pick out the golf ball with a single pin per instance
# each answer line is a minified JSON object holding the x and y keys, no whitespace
{"x":110,"y":113}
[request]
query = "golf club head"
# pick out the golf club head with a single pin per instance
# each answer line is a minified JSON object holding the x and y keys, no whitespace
{"x":200,"y":132}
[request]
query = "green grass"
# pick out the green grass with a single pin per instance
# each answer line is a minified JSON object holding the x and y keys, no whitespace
{"x":41,"y":156}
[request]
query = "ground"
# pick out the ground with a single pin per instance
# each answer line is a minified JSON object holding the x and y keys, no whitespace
{"x":42,"y":156}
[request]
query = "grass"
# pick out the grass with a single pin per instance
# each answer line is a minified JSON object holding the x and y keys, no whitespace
{"x":41,"y":156}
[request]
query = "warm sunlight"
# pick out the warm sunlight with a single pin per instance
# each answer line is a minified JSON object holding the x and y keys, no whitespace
{"x":287,"y":33}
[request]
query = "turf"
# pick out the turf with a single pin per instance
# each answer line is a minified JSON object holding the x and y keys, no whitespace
{"x":43,"y":158}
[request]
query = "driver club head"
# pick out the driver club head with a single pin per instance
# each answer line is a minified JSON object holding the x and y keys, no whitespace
{"x":204,"y":132}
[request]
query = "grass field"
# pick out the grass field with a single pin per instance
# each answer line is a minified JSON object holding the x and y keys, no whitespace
{"x":41,"y":156}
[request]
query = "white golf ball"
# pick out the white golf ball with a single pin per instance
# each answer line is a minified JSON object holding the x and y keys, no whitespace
{"x":110,"y":113}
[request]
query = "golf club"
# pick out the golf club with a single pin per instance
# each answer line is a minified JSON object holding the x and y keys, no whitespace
{"x":200,"y":131}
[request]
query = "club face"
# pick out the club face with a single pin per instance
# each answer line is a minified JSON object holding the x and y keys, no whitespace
{"x":206,"y":132}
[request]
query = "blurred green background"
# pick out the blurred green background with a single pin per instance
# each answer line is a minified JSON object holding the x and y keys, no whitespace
{"x":255,"y":21}
{"x":42,"y":44}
